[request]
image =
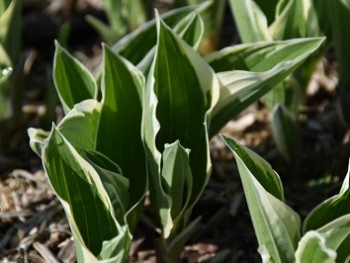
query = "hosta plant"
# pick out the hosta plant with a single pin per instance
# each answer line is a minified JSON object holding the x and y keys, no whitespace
{"x":146,"y":127}
{"x":325,"y":236}
{"x":282,"y":20}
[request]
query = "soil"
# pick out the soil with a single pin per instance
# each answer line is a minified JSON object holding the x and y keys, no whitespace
{"x":33,"y":227}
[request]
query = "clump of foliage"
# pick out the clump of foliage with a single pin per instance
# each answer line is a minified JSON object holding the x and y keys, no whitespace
{"x":326,"y":230}
{"x":285,"y":19}
{"x":143,"y":123}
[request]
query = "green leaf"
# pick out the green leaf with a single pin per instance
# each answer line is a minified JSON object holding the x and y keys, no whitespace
{"x":337,"y":235}
{"x":146,"y":35}
{"x":181,"y":90}
{"x":10,"y":28}
{"x":239,"y":89}
{"x":190,"y":28}
{"x":6,"y":13}
{"x":323,"y":9}
{"x":312,"y":248}
{"x":268,"y":8}
{"x":79,"y":188}
{"x":120,"y":121}
{"x":37,"y":138}
{"x":260,"y":169}
{"x":295,"y":18}
{"x":114,"y":182}
{"x":177,"y":184}
{"x":5,"y":63}
{"x":79,"y":125}
{"x":74,"y":83}
{"x":191,"y":31}
{"x":261,"y":56}
{"x":105,"y":31}
{"x":250,"y":20}
{"x":330,"y":209}
{"x":339,"y":14}
{"x":286,"y":134}
{"x":276,"y":224}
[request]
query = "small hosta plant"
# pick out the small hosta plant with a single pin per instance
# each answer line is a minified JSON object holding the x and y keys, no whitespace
{"x":325,"y":236}
{"x":282,"y":20}
{"x":144,"y":124}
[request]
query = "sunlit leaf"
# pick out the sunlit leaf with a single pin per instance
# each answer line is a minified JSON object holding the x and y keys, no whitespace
{"x":241,"y":88}
{"x":312,"y":248}
{"x":180,"y":91}
{"x":146,"y":35}
{"x":250,"y":20}
{"x":276,"y":225}
{"x":78,"y":126}
{"x":177,"y":181}
{"x":77,"y":184}
{"x":74,"y":83}
{"x":337,"y":235}
{"x":122,"y":89}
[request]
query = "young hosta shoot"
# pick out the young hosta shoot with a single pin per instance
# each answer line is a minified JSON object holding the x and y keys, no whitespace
{"x":286,"y":134}
{"x":185,"y":103}
{"x":326,"y":230}
{"x":153,"y":124}
{"x":97,"y":180}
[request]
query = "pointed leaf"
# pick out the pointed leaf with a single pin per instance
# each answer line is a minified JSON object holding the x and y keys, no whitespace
{"x":122,"y":88}
{"x":120,"y":121}
{"x":146,"y":35}
{"x":286,"y":134}
{"x":312,"y":248}
{"x":276,"y":225}
{"x":250,"y":20}
{"x":74,"y":83}
{"x":261,"y":56}
{"x":191,"y":31}
{"x":337,"y":235}
{"x":177,"y":179}
{"x":268,"y":8}
{"x":190,"y":28}
{"x":10,"y":29}
{"x":295,"y":18}
{"x":180,"y":91}
{"x":239,"y":88}
{"x":77,"y":184}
